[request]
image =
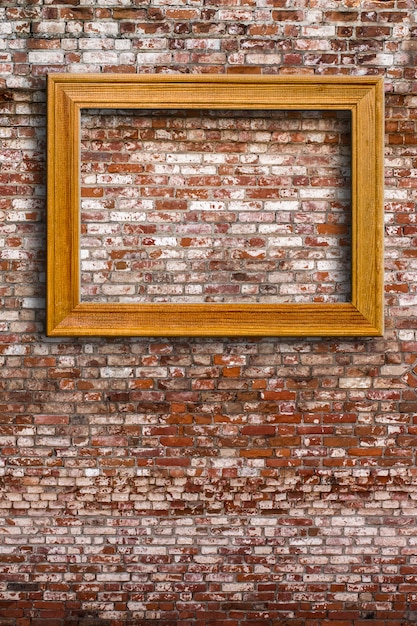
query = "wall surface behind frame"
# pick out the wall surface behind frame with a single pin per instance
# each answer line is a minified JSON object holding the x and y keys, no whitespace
{"x":206,"y":481}
{"x":215,"y":206}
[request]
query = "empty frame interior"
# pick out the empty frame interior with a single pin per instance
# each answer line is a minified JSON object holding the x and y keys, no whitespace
{"x":71,"y":313}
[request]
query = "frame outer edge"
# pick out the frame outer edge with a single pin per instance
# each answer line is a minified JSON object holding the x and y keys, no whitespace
{"x":79,"y":322}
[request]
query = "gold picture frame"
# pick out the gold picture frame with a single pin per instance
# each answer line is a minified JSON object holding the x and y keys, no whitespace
{"x":68,"y":94}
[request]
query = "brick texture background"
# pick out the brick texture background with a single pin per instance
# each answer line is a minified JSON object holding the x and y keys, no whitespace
{"x":216,"y":206}
{"x":207,"y":481}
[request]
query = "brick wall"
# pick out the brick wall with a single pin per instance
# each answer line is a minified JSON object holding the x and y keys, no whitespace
{"x":205,"y":481}
{"x":215,"y":206}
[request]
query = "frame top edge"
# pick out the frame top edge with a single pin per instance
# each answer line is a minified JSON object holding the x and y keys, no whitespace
{"x":214,"y":78}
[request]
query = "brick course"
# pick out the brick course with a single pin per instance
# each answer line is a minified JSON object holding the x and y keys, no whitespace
{"x":153,"y":481}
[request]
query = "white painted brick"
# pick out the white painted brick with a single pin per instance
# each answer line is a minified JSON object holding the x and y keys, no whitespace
{"x":116,"y":372}
{"x":100,"y":57}
{"x":355,"y":383}
{"x":46,"y":56}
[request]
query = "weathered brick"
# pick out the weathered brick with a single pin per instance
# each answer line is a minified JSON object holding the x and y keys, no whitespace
{"x":189,"y":164}
{"x":231,"y":481}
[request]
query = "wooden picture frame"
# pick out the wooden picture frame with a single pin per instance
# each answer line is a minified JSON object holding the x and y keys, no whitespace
{"x":68,"y":94}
